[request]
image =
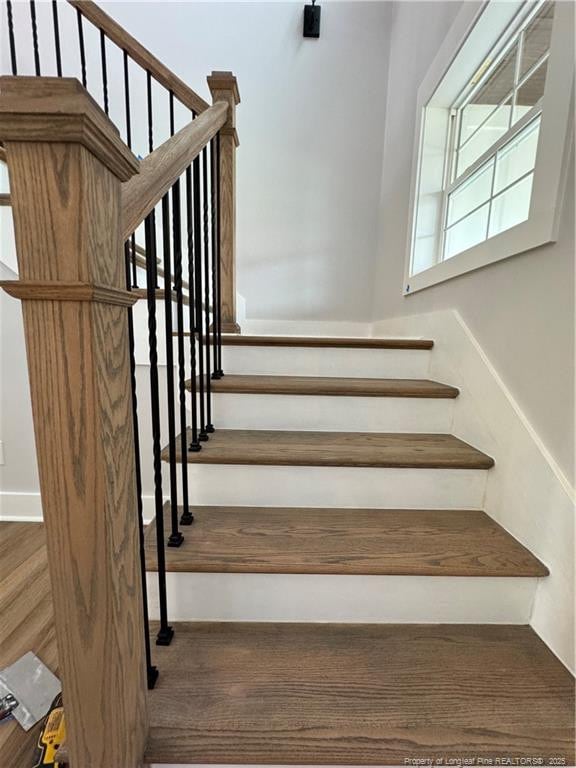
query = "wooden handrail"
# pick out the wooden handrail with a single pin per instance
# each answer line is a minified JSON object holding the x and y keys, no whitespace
{"x":140,"y":55}
{"x":161,"y":168}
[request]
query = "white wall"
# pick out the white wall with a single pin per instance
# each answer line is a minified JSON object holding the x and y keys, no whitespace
{"x":310,"y":126}
{"x":520,"y":310}
{"x":19,"y":472}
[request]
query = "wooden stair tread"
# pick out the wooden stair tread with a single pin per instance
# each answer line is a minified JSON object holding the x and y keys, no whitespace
{"x":344,"y":541}
{"x":345,"y":342}
{"x":336,"y":449}
{"x":326,"y":694}
{"x":330,"y":386}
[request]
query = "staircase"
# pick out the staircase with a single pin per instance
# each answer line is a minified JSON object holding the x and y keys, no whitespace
{"x":320,"y":584}
{"x":316,"y":628}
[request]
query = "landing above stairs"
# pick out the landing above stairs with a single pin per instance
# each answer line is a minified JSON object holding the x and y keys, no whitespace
{"x":336,"y":449}
{"x":319,"y":694}
{"x":344,"y":541}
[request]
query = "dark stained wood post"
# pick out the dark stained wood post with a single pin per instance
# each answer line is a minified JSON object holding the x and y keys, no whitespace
{"x":66,"y":163}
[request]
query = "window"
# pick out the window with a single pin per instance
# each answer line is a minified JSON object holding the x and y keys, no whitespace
{"x":487,"y":200}
{"x":494,"y":137}
{"x":490,"y":124}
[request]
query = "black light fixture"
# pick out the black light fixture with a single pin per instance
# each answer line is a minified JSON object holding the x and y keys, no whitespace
{"x":312,"y":20}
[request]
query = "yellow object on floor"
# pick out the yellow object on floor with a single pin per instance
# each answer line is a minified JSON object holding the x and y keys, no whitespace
{"x":51,"y":738}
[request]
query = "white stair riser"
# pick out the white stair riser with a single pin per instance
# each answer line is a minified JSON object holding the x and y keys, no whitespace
{"x":354,"y":414}
{"x":337,"y":487}
{"x":319,"y":598}
{"x":354,"y":363}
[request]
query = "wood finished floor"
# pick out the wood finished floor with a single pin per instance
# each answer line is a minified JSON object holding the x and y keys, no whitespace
{"x":26,"y":621}
{"x":331,"y":386}
{"x":336,"y":449}
{"x":319,"y":694}
{"x":344,"y":541}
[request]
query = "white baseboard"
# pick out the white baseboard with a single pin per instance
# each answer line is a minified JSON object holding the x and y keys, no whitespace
{"x":20,"y":507}
{"x":526,"y":492}
{"x":17,"y":507}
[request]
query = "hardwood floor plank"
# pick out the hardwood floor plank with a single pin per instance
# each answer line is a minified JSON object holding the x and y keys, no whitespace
{"x":346,"y":342}
{"x":345,"y":541}
{"x":317,"y":694}
{"x":331,"y":386}
{"x":18,"y":543}
{"x":337,"y":449}
{"x":26,"y":621}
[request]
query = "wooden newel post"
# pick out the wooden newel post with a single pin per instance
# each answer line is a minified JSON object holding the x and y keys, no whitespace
{"x":223,"y":87}
{"x":66,"y":163}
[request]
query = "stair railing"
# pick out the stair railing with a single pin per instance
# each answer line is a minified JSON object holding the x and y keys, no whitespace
{"x":82,"y":205}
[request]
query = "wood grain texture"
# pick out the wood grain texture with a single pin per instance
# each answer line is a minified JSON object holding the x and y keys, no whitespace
{"x":356,"y":342}
{"x":160,"y":169}
{"x":66,"y":205}
{"x":228,"y":234}
{"x":39,"y":290}
{"x":140,"y":54}
{"x":223,"y":87}
{"x":330,"y":386}
{"x":27,"y":621}
{"x":337,"y":449}
{"x":5,"y":199}
{"x":386,"y":542}
{"x":59,"y":109}
{"x":321,"y":694}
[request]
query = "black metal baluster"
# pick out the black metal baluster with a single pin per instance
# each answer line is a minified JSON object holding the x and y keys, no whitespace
{"x":176,"y":538}
{"x":57,"y":38}
{"x":129,"y":143}
{"x":218,"y":261}
{"x":104,"y":69}
{"x":150,"y":141}
{"x":194,"y":444}
{"x":213,"y":201}
{"x":11,"y":39}
{"x":166,"y":632}
{"x":202,"y":433}
{"x":35,"y":37}
{"x":205,"y":200}
{"x":151,"y":671}
{"x":186,"y":517}
{"x":82,"y":49}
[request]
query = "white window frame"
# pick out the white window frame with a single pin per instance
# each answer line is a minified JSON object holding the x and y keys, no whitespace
{"x":554,"y":144}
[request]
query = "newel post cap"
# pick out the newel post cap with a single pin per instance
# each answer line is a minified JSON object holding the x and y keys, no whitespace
{"x":224,"y":87}
{"x":224,"y":81}
{"x":60,"y":110}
